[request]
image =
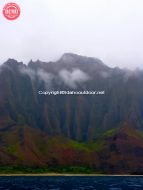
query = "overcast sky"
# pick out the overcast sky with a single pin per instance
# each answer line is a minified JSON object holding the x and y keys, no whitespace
{"x":111,"y":30}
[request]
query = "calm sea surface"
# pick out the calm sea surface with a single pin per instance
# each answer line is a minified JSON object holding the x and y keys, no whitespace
{"x":71,"y":183}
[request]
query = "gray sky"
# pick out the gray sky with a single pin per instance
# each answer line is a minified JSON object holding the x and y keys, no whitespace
{"x":111,"y":30}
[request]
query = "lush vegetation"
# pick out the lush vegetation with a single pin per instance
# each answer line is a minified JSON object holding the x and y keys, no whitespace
{"x":42,"y":170}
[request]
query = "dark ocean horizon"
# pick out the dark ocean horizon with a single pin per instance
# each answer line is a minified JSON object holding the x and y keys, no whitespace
{"x":71,"y":183}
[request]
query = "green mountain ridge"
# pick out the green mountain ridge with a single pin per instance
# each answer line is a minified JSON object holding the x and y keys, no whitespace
{"x":101,"y":134}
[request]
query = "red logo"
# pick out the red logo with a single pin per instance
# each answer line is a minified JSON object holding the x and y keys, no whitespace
{"x":11,"y":11}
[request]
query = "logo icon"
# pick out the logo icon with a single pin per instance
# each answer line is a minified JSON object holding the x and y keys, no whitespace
{"x":11,"y":11}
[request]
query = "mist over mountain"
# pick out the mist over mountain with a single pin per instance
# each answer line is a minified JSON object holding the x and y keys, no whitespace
{"x":30,"y":122}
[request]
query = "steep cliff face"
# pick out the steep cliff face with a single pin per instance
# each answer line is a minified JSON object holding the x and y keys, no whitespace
{"x":26,"y":116}
{"x":79,"y":117}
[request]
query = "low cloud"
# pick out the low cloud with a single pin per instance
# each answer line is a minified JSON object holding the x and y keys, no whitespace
{"x":40,"y":74}
{"x":129,"y":74}
{"x":105,"y":74}
{"x":73,"y":78}
{"x":29,"y":72}
{"x":45,"y":77}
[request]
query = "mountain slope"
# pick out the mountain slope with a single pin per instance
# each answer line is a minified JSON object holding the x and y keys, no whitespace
{"x":71,"y":130}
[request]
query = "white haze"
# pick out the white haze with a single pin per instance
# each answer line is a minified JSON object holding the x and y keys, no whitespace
{"x":29,"y":72}
{"x":73,"y":78}
{"x":40,"y":74}
{"x":70,"y":78}
{"x":111,"y":30}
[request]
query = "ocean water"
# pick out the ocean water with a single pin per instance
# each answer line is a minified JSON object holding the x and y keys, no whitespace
{"x":71,"y":183}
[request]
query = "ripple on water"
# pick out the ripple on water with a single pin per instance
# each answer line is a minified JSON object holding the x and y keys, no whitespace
{"x":71,"y":183}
